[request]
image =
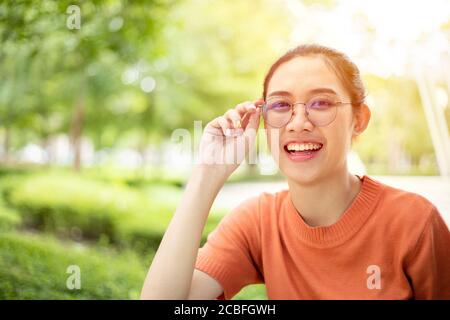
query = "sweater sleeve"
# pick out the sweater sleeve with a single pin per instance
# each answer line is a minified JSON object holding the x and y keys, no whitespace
{"x":429,"y":264}
{"x":232,"y":250}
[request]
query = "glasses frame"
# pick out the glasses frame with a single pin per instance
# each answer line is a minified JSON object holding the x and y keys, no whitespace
{"x":292,"y":110}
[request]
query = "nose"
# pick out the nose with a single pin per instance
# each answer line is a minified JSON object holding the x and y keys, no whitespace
{"x":299,"y":120}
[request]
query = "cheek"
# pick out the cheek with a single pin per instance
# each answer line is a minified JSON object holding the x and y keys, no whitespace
{"x":339,"y":135}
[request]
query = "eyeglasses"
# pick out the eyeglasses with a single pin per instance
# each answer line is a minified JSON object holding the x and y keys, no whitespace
{"x":320,"y":110}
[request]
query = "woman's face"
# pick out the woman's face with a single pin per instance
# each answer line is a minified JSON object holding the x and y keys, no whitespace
{"x":299,"y":77}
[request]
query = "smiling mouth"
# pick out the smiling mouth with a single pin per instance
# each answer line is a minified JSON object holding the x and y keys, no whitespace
{"x":302,"y":148}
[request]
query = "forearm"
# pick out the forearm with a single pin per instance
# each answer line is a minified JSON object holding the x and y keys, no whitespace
{"x":171,"y":271}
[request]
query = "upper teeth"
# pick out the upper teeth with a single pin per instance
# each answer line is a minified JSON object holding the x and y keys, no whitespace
{"x":303,"y":146}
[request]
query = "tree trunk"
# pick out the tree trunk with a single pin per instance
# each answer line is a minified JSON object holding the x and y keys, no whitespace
{"x":76,"y":133}
{"x":146,"y":122}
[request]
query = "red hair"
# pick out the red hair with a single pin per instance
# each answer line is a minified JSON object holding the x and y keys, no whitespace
{"x":340,"y":63}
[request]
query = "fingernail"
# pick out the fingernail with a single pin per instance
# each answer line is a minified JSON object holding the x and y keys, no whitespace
{"x":233,"y":132}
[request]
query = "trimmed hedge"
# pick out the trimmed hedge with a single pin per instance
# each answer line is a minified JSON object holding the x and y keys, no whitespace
{"x":9,"y":219}
{"x":35,"y":267}
{"x":81,"y":208}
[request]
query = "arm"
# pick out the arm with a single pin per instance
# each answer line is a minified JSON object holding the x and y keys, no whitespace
{"x":429,"y":264}
{"x":172,"y":269}
{"x":204,"y":287}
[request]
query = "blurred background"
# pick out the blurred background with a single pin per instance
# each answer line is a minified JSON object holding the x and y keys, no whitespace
{"x":93,"y":95}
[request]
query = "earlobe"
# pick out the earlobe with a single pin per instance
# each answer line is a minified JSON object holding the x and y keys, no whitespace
{"x":362,"y":119}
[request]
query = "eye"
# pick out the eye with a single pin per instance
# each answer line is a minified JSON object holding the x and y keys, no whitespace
{"x":279,"y":106}
{"x":321,"y":103}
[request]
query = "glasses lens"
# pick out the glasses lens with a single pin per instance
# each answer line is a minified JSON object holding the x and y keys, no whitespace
{"x":278,"y":112}
{"x":321,"y":110}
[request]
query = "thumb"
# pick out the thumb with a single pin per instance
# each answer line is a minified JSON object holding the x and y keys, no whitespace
{"x":251,"y":129}
{"x":250,"y":133}
{"x":253,"y":121}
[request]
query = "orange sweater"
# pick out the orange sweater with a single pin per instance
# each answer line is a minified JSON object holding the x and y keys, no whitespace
{"x":389,"y":244}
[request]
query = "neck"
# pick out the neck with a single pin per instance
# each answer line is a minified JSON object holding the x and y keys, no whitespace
{"x":323,"y":202}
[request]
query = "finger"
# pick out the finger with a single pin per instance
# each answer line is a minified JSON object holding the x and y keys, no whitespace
{"x":258,"y":102}
{"x":224,"y":125}
{"x":253,"y":120}
{"x":252,"y":110}
{"x":251,"y":130}
{"x":245,"y":107}
{"x":219,"y":123}
{"x":235,"y":118}
{"x":215,"y":123}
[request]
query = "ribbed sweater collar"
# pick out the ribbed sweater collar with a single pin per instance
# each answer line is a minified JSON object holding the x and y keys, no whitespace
{"x":348,"y":224}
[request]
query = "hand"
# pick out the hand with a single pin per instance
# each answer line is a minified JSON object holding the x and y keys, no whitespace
{"x":227,"y":139}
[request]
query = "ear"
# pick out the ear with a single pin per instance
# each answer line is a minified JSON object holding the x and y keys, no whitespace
{"x":361,"y":118}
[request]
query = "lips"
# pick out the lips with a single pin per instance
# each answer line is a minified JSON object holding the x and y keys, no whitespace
{"x":301,"y":150}
{"x":302,"y":145}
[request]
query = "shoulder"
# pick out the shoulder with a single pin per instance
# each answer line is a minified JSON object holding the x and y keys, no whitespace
{"x":405,"y":205}
{"x":264,"y":201}
{"x":255,"y":208}
{"x":403,"y":214}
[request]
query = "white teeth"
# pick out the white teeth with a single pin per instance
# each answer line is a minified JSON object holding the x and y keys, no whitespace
{"x":303,"y":146}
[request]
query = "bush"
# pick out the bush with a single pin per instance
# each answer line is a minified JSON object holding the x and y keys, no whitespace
{"x":35,"y":267}
{"x":87,"y":209}
{"x":134,"y":178}
{"x":9,"y":219}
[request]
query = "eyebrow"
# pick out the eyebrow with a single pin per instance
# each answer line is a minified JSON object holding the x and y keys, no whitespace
{"x":313,"y":91}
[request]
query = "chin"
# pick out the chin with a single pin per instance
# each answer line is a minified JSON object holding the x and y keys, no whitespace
{"x":299,"y":175}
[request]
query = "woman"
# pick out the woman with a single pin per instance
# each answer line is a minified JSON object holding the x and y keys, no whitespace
{"x":331,"y":235}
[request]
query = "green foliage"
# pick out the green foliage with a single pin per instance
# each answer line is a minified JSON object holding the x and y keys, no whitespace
{"x":137,"y":178}
{"x":397,"y":131}
{"x":35,"y":267}
{"x":252,"y":292}
{"x":48,"y":69}
{"x":9,"y":219}
{"x":202,"y":67}
{"x":218,"y":62}
{"x":77,"y":207}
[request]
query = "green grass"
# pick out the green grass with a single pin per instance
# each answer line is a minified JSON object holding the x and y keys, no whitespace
{"x":35,"y":267}
{"x":118,"y":225}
